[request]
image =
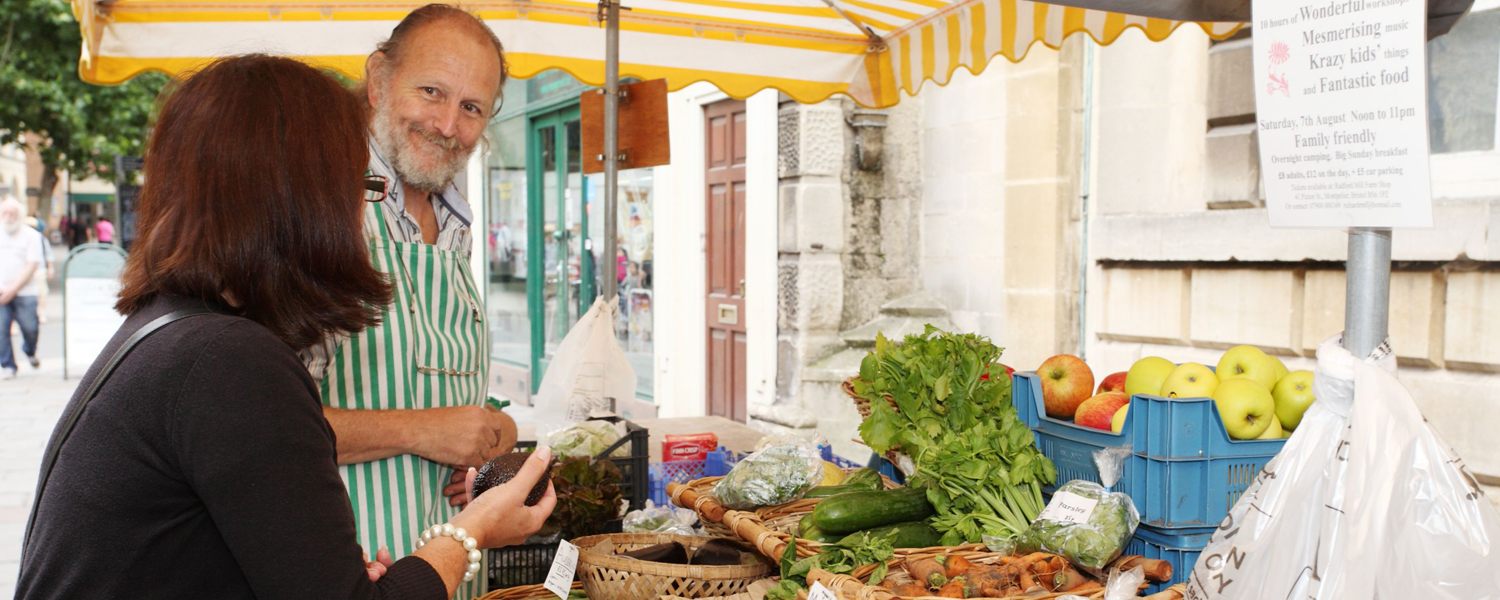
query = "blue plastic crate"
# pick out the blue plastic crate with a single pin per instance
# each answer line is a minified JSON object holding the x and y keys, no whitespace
{"x":1184,"y":472}
{"x":717,"y":463}
{"x":1189,"y":493}
{"x":1178,"y":547}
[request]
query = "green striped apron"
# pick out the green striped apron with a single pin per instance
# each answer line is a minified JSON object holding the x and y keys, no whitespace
{"x":429,"y":351}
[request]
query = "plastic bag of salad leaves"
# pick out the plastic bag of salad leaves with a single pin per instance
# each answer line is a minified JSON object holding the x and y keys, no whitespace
{"x":782,"y":470}
{"x":1084,"y":523}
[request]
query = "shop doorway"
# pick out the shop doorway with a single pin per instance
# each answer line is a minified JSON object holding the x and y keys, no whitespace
{"x":724,"y":174}
{"x":559,"y":218}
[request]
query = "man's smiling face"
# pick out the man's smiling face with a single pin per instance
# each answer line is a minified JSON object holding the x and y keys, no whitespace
{"x":430,"y":110}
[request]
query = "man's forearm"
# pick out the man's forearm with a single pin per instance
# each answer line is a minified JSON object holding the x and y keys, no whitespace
{"x":366,"y":435}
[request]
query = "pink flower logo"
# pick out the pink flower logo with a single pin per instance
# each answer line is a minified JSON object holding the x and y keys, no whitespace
{"x":1280,"y":53}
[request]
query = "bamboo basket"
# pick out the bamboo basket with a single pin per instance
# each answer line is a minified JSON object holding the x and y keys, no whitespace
{"x":612,"y":577}
{"x":777,"y":521}
{"x":524,"y":592}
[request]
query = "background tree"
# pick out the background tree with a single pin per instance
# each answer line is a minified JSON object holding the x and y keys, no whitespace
{"x":78,"y":127}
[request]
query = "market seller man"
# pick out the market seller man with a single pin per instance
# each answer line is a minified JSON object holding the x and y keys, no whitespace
{"x":406,"y":398}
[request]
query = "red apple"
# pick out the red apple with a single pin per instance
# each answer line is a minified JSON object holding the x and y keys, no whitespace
{"x":1099,"y":412}
{"x":1066,"y":383}
{"x":1114,"y":383}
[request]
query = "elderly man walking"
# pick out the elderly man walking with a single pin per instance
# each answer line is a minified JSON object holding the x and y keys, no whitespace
{"x":406,"y":398}
{"x":20,"y":255}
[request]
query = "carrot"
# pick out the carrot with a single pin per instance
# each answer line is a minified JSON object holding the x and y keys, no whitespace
{"x":1171,"y":593}
{"x":1156,"y":570}
{"x":988,"y":580}
{"x":1067,"y":580}
{"x":958,"y":565}
{"x":894,"y":579}
{"x":953,"y":589}
{"x":926,"y":571}
{"x":911,"y":590}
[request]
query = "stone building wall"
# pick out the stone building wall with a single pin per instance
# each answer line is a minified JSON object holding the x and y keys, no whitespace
{"x":1184,"y":264}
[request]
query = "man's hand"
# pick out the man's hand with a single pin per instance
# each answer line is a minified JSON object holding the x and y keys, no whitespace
{"x":463,"y":436}
{"x":6,"y":296}
{"x":457,"y":491}
{"x":377,"y":568}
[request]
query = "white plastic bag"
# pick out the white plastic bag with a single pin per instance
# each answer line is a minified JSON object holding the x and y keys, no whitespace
{"x":588,"y":373}
{"x":1364,"y":502}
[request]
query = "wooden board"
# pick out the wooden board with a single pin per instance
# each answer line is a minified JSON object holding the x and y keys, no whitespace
{"x":643,"y":126}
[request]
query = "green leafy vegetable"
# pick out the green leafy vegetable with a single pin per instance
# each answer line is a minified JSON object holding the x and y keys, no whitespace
{"x":1095,"y":542}
{"x":841,"y":558}
{"x":588,"y":495}
{"x":778,"y":474}
{"x":954,"y":418}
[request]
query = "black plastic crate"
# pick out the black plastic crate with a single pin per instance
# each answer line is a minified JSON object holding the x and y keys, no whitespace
{"x":635,"y":483}
{"x":527,"y":564}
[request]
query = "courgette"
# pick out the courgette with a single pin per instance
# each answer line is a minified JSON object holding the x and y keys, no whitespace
{"x":865,"y":478}
{"x":825,"y":491}
{"x":804,"y":524}
{"x":820,"y":536}
{"x":914,"y":534}
{"x":856,"y":511}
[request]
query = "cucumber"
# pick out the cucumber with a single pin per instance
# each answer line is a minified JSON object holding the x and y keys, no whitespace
{"x":913,"y":534}
{"x":805,"y":524}
{"x":824,"y":491}
{"x":866,"y":478}
{"x":820,"y":536}
{"x":855,"y":511}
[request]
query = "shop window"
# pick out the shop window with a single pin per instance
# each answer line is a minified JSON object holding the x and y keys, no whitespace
{"x":505,"y":242}
{"x":633,"y":268}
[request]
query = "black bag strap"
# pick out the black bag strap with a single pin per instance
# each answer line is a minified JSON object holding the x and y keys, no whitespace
{"x":72,"y":418}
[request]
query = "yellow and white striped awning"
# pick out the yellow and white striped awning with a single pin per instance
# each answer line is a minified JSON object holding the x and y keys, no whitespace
{"x":810,"y":49}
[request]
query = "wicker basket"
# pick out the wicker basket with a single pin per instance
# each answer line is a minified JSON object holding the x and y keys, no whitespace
{"x":852,"y":586}
{"x":524,"y":592}
{"x":612,"y":577}
{"x":779,"y":521}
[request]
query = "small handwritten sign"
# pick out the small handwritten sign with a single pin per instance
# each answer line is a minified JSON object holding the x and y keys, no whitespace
{"x":1067,"y":507}
{"x":564,"y":563}
{"x":820,"y":592}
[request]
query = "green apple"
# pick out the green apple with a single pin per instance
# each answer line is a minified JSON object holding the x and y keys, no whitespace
{"x":1273,"y":432}
{"x":1117,"y":423}
{"x":1147,"y":375}
{"x":1293,"y":394}
{"x":1280,"y":367}
{"x":1250,"y":363}
{"x":1190,"y":380}
{"x":1245,"y":406}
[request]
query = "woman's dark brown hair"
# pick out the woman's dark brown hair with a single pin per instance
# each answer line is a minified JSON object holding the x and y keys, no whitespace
{"x":253,"y":193}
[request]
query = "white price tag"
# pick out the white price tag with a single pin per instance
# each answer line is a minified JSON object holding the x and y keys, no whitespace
{"x":820,"y":592}
{"x":560,"y":577}
{"x":1067,"y":507}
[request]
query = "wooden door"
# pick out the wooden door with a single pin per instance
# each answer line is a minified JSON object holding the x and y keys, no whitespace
{"x":724,"y":163}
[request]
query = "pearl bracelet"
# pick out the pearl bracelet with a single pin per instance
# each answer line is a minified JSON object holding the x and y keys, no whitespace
{"x":461,"y":536}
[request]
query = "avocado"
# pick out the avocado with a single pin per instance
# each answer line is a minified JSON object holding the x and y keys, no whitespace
{"x":502,"y":469}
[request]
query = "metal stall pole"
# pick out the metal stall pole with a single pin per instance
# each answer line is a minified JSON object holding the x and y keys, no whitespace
{"x":611,"y":145}
{"x":1367,"y":295}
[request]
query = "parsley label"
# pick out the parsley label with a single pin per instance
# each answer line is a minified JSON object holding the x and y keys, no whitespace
{"x":1067,"y":507}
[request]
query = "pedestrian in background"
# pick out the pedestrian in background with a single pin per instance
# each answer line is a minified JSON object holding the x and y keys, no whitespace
{"x":105,"y":231}
{"x":45,"y":272}
{"x":20,"y":257}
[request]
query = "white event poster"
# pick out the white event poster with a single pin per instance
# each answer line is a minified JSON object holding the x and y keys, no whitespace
{"x":1341,"y":105}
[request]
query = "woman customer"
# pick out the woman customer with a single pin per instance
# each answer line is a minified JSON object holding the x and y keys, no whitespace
{"x":203,"y":467}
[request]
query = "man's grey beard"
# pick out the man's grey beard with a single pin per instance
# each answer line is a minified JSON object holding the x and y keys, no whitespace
{"x":13,"y":227}
{"x":389,"y":135}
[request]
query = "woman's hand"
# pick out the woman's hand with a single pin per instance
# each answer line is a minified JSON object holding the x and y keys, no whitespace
{"x":501,"y":518}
